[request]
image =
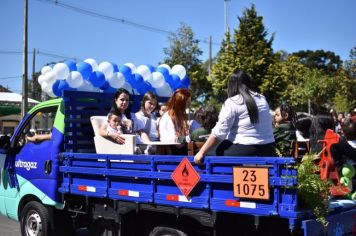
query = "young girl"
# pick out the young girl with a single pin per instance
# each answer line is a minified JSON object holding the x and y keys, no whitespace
{"x":145,"y":122}
{"x":284,"y":130}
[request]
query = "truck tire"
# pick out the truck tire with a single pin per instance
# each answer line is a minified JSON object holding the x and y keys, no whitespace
{"x":35,"y":220}
{"x":166,"y":231}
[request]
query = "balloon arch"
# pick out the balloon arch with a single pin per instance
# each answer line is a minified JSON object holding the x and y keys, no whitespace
{"x":108,"y":77}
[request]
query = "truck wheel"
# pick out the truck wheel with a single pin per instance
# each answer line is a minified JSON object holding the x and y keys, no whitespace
{"x":35,"y":220}
{"x":166,"y":231}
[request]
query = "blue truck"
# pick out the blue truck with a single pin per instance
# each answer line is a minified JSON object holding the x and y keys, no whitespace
{"x":57,"y":186}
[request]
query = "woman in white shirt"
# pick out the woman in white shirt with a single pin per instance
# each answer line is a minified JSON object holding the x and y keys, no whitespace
{"x":173,"y":126}
{"x":244,"y":125}
{"x":145,"y":122}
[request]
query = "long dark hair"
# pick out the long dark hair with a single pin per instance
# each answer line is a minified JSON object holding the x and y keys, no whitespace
{"x":240,"y":83}
{"x":114,"y":108}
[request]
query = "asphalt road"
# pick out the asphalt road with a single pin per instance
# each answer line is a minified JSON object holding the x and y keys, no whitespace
{"x":12,"y":228}
{"x":9,"y":227}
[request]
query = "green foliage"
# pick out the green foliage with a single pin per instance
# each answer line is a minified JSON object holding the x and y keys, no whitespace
{"x":221,"y":70}
{"x":184,"y":49}
{"x":253,"y":52}
{"x":313,"y":193}
{"x":282,"y":78}
{"x":319,"y":59}
{"x":249,"y":50}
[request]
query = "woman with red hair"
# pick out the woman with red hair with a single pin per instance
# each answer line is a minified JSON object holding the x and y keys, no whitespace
{"x":173,"y":126}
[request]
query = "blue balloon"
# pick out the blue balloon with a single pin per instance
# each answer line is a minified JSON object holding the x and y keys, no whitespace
{"x":164,"y":71}
{"x":59,"y":86}
{"x":175,"y":80}
{"x":151,"y":67}
{"x":97,"y":79}
{"x":186,"y":81}
{"x":137,"y":82}
{"x":84,"y":69}
{"x":125,"y":70}
{"x":116,"y":68}
{"x":142,"y":89}
{"x":110,"y":89}
{"x":149,"y":87}
{"x":71,"y":65}
{"x":105,"y":85}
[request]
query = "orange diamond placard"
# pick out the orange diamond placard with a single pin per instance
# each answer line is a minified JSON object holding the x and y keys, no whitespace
{"x":185,"y":176}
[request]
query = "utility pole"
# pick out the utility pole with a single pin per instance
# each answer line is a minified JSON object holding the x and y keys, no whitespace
{"x":210,"y":57}
{"x":226,"y":13}
{"x":24,"y":104}
{"x":33,"y":72}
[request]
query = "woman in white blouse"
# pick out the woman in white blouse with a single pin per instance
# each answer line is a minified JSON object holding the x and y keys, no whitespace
{"x":173,"y":126}
{"x":145,"y":122}
{"x":244,"y":125}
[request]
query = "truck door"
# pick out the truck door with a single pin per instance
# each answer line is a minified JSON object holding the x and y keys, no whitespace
{"x":32,"y":166}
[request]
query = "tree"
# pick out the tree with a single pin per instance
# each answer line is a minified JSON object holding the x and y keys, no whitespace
{"x":184,"y":49}
{"x":350,"y":65}
{"x":281,"y":79}
{"x":250,"y":51}
{"x":225,"y":64}
{"x":253,"y":51}
{"x":325,"y":61}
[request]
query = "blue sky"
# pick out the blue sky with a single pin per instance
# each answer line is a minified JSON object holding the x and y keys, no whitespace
{"x":297,"y":24}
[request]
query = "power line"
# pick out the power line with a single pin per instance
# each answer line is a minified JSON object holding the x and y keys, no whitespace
{"x":114,"y":19}
{"x":42,"y":52}
{"x":10,"y":77}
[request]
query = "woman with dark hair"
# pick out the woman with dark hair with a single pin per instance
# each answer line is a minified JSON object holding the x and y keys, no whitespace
{"x":120,"y":105}
{"x":244,"y":125}
{"x":320,"y":123}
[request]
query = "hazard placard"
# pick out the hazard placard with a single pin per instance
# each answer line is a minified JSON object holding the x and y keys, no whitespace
{"x":185,"y":176}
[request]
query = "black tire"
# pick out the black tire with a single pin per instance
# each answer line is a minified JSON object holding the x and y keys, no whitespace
{"x":166,"y":231}
{"x":35,"y":220}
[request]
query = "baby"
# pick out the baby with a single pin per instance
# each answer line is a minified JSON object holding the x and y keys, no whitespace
{"x":117,"y":125}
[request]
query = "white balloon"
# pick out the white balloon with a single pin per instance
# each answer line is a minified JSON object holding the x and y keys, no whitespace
{"x":75,"y":79}
{"x":157,"y":80}
{"x":93,"y":63}
{"x":132,"y":67}
{"x":107,"y":68}
{"x":167,"y":67}
{"x":86,"y":86}
{"x":46,"y":87}
{"x":41,"y":79}
{"x":45,"y":69}
{"x":128,"y":87}
{"x":164,"y":91}
{"x":179,"y":70}
{"x":61,"y":71}
{"x":144,"y":71}
{"x":51,"y":94}
{"x":50,"y":77}
{"x":117,"y":80}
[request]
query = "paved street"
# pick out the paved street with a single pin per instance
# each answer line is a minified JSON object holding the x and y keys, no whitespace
{"x":12,"y":228}
{"x":9,"y":227}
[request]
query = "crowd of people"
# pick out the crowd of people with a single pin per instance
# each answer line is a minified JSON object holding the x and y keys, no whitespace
{"x":243,"y":127}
